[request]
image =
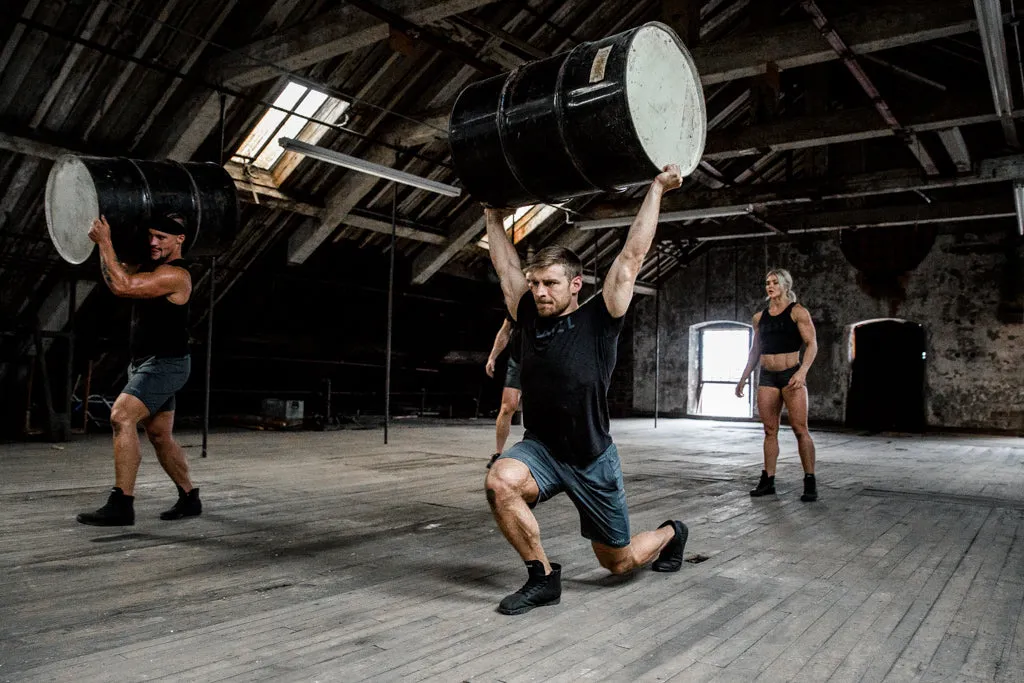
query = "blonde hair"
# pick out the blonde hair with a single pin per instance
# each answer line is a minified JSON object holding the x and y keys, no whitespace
{"x":785,"y":281}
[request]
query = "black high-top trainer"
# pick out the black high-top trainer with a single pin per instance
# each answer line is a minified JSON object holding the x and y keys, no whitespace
{"x":765,"y":487}
{"x":810,"y":489}
{"x":539,"y":590}
{"x":119,"y":511}
{"x":188,"y":505}
{"x":671,"y":557}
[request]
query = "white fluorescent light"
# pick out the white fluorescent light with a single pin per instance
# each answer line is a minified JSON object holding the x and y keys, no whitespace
{"x":690,"y":214}
{"x":363,"y":166}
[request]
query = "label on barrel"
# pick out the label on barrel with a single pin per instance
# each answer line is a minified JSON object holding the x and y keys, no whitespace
{"x":600,"y":62}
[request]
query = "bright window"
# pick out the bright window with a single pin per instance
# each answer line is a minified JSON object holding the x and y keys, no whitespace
{"x":299,"y":104}
{"x":723,"y":355}
{"x":523,"y":221}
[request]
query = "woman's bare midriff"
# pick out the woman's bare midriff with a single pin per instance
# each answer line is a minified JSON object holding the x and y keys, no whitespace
{"x":777,"y":362}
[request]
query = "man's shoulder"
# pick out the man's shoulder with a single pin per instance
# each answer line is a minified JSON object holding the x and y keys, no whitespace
{"x":176,"y":266}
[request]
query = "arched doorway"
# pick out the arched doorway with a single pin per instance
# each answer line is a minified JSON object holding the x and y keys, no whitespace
{"x":887,"y":374}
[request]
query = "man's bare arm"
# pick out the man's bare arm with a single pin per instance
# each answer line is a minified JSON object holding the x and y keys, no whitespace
{"x":505,"y":260}
{"x":618,"y":286}
{"x":500,"y":342}
{"x":163,"y":281}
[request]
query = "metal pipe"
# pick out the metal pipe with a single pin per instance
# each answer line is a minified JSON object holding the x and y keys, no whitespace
{"x":391,"y":299}
{"x":85,"y":401}
{"x":327,"y":403}
{"x":209,"y":353}
{"x":70,"y":379}
{"x":657,"y":342}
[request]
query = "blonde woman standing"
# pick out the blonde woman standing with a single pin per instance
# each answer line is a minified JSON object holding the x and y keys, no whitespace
{"x":780,"y":330}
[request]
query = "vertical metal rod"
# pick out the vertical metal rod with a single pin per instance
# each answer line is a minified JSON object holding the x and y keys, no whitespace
{"x":327,"y":406}
{"x":209,"y":353}
{"x":70,"y":379}
{"x":85,"y":401}
{"x":657,"y":342}
{"x":391,"y":297}
{"x":736,"y":284}
{"x":222,"y":108}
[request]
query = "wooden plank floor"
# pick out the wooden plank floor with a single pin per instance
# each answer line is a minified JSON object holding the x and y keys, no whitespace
{"x":331,"y":557}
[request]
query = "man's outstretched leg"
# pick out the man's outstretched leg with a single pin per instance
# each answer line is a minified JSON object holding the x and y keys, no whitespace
{"x":511,"y":489}
{"x":662,"y":547}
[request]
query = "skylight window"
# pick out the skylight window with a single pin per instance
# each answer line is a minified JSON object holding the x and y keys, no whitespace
{"x":523,"y":221}
{"x":299,"y":104}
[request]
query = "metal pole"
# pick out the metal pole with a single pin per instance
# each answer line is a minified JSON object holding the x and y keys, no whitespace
{"x":657,"y":341}
{"x":391,"y":297}
{"x":85,"y":401}
{"x":69,"y":385}
{"x":209,"y":353}
{"x":327,"y":404}
{"x":223,"y":97}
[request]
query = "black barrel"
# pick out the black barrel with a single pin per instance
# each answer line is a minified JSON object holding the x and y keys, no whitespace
{"x":129,"y":193}
{"x":606,"y":115}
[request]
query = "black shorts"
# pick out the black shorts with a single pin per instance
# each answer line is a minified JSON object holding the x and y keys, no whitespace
{"x":777,"y":379}
{"x":154,"y":381}
{"x":512,"y":376}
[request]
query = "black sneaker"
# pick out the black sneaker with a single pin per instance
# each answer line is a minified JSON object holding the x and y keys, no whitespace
{"x":493,"y":459}
{"x":765,"y":487}
{"x":188,"y":505}
{"x":119,"y":511}
{"x":539,"y":590}
{"x":810,"y":489}
{"x":671,"y":557}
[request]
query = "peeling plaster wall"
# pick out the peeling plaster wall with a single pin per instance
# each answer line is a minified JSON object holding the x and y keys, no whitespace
{"x":975,"y":365}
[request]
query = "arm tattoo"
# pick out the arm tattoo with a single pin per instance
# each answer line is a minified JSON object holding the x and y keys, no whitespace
{"x":105,"y":270}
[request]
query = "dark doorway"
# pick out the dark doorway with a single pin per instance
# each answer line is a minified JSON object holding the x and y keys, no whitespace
{"x":887,"y":382}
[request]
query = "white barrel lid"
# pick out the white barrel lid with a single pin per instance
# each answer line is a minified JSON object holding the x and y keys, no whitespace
{"x":666,"y":99}
{"x":71,"y":206}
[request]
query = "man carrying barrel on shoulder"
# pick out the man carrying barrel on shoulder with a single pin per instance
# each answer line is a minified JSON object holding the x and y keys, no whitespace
{"x":159,"y":367}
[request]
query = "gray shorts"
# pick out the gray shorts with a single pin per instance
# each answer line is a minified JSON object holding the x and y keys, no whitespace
{"x":512,"y":376}
{"x":596,"y":490}
{"x":154,"y":381}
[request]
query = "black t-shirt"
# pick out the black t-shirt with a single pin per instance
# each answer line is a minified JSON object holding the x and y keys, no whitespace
{"x":567,"y":365}
{"x":159,"y":327}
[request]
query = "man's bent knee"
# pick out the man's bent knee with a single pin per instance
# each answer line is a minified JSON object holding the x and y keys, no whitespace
{"x":121,"y":418}
{"x":506,"y":479}
{"x":771,"y":429}
{"x":618,"y":561}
